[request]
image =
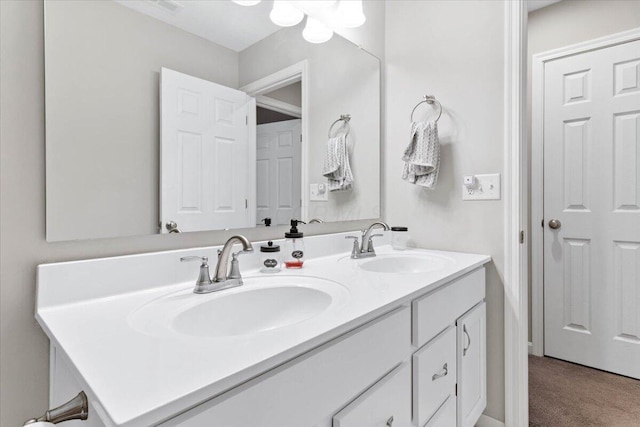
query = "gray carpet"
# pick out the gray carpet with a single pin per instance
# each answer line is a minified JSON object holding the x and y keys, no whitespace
{"x":565,"y":394}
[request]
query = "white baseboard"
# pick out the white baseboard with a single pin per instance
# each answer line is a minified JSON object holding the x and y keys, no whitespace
{"x":530,"y":347}
{"x":486,"y":421}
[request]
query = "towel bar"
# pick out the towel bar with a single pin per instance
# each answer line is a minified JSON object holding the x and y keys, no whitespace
{"x":75,"y":409}
{"x":429,"y":99}
{"x":343,"y":118}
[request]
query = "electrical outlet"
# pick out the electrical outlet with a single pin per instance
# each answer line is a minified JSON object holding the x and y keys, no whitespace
{"x":485,"y":187}
{"x":318,"y":193}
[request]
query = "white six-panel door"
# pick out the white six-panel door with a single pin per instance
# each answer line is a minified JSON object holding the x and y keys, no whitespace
{"x":592,"y":187}
{"x":206,"y":154}
{"x":278,"y":170}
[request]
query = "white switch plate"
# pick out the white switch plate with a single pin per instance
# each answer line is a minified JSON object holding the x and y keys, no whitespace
{"x":316,"y":194}
{"x":487,"y":187}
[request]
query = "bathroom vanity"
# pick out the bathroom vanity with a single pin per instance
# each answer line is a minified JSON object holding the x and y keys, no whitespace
{"x":396,"y":340}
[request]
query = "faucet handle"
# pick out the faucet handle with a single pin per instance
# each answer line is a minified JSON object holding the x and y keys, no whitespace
{"x":204,"y":259}
{"x":356,"y":248}
{"x":204,"y":279}
{"x":371,"y":241}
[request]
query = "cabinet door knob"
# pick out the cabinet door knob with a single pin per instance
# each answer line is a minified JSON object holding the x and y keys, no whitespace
{"x":390,"y":422}
{"x":442,"y":373}
{"x":464,"y":329}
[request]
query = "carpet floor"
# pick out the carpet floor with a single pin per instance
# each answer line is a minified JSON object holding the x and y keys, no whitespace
{"x":565,"y":394}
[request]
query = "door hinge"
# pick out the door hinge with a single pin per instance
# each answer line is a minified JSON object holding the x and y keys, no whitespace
{"x":542,"y":223}
{"x":246,"y":204}
{"x":456,"y":389}
{"x":522,"y":237}
{"x":246,"y":120}
{"x":300,"y":137}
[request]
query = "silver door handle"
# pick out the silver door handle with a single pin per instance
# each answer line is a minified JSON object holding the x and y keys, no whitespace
{"x":464,"y":329}
{"x":442,"y":373}
{"x":172,"y":227}
{"x":554,"y":224}
{"x":390,"y":422}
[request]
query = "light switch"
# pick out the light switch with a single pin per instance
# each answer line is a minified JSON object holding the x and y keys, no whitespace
{"x":483,"y":187}
{"x":318,"y":192}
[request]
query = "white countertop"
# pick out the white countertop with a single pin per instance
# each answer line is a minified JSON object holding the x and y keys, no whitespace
{"x":137,"y":379}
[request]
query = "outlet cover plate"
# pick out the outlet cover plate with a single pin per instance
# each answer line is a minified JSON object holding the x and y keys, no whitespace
{"x":487,"y":187}
{"x":315,"y":194}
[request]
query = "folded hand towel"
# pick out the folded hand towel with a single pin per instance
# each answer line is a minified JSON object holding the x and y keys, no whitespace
{"x":337,"y":168}
{"x":422,"y":155}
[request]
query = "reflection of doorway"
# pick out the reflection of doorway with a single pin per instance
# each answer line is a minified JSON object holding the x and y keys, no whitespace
{"x":278,"y":155}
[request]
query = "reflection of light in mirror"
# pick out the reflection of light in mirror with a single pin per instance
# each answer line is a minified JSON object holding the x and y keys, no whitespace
{"x":349,"y":14}
{"x":246,"y":2}
{"x":316,"y":32}
{"x":285,"y":14}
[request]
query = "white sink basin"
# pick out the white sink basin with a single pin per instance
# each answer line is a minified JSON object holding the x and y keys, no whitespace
{"x":261,"y":304}
{"x":404,"y":263}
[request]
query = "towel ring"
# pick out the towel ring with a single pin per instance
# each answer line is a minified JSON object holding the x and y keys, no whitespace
{"x":429,"y":99}
{"x":343,"y":118}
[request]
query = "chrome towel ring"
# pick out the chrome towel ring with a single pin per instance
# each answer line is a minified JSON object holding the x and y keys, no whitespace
{"x":343,"y":118}
{"x":429,"y":99}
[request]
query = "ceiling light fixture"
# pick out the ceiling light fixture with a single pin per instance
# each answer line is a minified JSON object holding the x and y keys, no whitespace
{"x":285,"y":14}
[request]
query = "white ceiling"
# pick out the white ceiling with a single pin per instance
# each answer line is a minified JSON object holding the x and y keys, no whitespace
{"x":539,"y":4}
{"x":220,"y":21}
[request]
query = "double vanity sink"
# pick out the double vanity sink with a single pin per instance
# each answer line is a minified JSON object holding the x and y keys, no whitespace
{"x":146,"y":350}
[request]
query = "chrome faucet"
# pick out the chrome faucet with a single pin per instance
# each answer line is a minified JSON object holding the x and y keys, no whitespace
{"x":221,"y":280}
{"x":365,"y":248}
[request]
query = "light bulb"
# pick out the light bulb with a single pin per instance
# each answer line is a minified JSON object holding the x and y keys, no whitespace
{"x":285,"y":14}
{"x":246,"y":2}
{"x":349,"y":14}
{"x":316,"y":32}
{"x":315,"y":4}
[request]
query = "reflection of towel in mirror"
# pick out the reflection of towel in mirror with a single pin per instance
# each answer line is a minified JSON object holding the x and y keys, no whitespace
{"x":422,"y":155}
{"x":336,"y":164}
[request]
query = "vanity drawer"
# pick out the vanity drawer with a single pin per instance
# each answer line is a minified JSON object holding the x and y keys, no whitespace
{"x":446,"y":415}
{"x":436,"y":310}
{"x":434,"y":375}
{"x":386,"y":403}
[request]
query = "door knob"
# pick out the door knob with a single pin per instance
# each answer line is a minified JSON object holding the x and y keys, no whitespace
{"x":555,"y":224}
{"x":172,"y":227}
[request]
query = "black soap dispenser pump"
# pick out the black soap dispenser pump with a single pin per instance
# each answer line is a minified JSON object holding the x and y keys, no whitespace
{"x":294,"y":246}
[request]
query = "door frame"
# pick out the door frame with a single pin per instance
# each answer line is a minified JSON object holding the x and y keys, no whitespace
{"x":537,"y":169}
{"x":298,"y":72}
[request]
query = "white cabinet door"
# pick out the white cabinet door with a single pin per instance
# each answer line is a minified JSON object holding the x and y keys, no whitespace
{"x":472,"y":365}
{"x":446,"y":415}
{"x":386,"y":404}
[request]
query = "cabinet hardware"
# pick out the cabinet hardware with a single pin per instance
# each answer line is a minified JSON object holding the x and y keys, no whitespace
{"x":464,"y":329}
{"x":390,"y":422}
{"x":442,"y":373}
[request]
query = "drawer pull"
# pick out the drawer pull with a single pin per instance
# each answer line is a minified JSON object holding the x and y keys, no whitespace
{"x":464,"y":329}
{"x":443,"y":373}
{"x":390,"y":422}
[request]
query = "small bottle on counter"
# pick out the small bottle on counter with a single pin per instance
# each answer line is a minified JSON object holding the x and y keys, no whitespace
{"x":399,"y":238}
{"x":294,"y":246}
{"x":270,"y":258}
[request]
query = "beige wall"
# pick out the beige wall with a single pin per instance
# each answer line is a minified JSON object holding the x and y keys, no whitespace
{"x":570,"y":22}
{"x":103,"y":64}
{"x":453,"y":50}
{"x":23,"y":346}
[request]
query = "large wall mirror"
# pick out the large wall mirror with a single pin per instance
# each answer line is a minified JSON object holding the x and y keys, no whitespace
{"x":202,"y":115}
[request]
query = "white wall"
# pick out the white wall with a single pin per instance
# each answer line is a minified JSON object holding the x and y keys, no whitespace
{"x":571,"y":22}
{"x":23,"y":346}
{"x":102,"y":91}
{"x":453,"y":50}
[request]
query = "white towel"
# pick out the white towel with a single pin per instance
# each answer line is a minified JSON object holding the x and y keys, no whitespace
{"x":422,"y":155}
{"x":337,"y":168}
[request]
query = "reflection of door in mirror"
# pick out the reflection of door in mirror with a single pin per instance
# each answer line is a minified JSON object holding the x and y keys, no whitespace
{"x":207,"y":155}
{"x":279,"y":155}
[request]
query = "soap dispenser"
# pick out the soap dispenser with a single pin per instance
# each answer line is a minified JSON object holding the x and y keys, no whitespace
{"x":294,"y":246}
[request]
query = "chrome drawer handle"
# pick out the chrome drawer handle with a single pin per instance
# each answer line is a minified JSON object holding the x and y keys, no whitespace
{"x":390,"y":422}
{"x":443,"y":373}
{"x":464,"y":329}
